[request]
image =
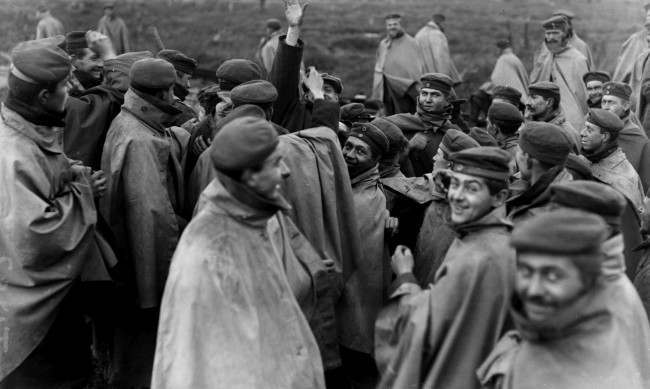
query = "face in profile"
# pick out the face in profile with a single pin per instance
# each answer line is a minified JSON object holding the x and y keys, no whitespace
{"x":267,"y":180}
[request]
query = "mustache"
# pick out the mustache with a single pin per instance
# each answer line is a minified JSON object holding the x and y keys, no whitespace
{"x":552,"y":41}
{"x":539,"y":300}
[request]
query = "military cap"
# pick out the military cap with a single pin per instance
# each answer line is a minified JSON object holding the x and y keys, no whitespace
{"x":439,"y":18}
{"x":508,"y":94}
{"x":334,"y":81}
{"x":597,"y":75}
{"x":152,"y":73}
{"x":40,"y":61}
{"x":250,"y":110}
{"x":372,"y":136}
{"x":397,"y":142}
{"x":108,"y":3}
{"x":563,"y":232}
{"x":555,"y":23}
{"x":590,"y":196}
{"x":355,"y":112}
{"x":181,"y":62}
{"x":392,"y":16}
{"x":606,"y":120}
{"x":123,"y":62}
{"x":237,"y":71}
{"x":482,"y":137}
{"x":487,"y":162}
{"x":455,"y":140}
{"x":243,"y":143}
{"x":42,"y":8}
{"x":504,"y":112}
{"x":273,"y":24}
{"x":254,"y":92}
{"x":545,"y":142}
{"x":437,"y":81}
{"x":564,"y":12}
{"x":618,"y":89}
{"x":75,"y":40}
{"x":545,"y":89}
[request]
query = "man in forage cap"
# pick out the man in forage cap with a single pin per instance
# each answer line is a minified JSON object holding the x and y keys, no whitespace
{"x":87,"y":64}
{"x":242,"y":257}
{"x":564,"y":65}
{"x":364,"y":148}
{"x":432,"y":351}
{"x":49,"y":220}
{"x":629,"y":311}
{"x":541,"y":158}
{"x":185,"y":67}
{"x":143,"y":205}
{"x":544,"y":104}
{"x":426,"y":128}
{"x":609,"y":165}
{"x":632,"y":139}
{"x":570,"y":322}
{"x":504,"y":119}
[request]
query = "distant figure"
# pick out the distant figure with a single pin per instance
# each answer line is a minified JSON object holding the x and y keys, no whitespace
{"x":435,"y":49}
{"x":47,"y":25}
{"x":269,"y":44}
{"x":563,"y":65}
{"x":509,"y":71}
{"x":114,"y":27}
{"x":636,"y":44}
{"x":574,"y":39}
{"x":398,"y":67}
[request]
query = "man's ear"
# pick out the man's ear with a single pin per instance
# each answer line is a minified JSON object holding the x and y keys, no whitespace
{"x":43,"y":96}
{"x":500,"y":198}
{"x":606,"y":136}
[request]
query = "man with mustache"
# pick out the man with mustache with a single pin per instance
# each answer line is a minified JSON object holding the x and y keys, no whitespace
{"x":544,"y":104}
{"x":564,"y":66}
{"x":569,"y":332}
{"x":397,"y":68}
{"x":594,"y":83}
{"x":438,"y":337}
{"x":366,"y":288}
{"x":574,"y":40}
{"x":541,"y":158}
{"x":608,"y":164}
{"x":428,"y":125}
{"x":632,"y":139}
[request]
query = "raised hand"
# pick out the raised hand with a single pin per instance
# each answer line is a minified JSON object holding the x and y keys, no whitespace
{"x":294,"y":11}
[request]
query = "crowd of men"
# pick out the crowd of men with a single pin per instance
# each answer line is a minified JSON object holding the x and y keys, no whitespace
{"x":278,"y":238}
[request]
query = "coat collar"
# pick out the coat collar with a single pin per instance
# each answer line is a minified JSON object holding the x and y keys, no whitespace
{"x":368,"y":176}
{"x":145,"y":111}
{"x":47,"y":138}
{"x":238,"y":202}
{"x":493,"y":219}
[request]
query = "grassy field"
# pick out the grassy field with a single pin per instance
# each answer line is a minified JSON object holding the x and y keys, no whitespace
{"x":341,"y":36}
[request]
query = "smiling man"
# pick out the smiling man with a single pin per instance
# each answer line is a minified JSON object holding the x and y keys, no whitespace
{"x":567,"y":334}
{"x":244,"y":327}
{"x":594,"y":81}
{"x":436,"y":338}
{"x":365,"y":289}
{"x":609,"y":165}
